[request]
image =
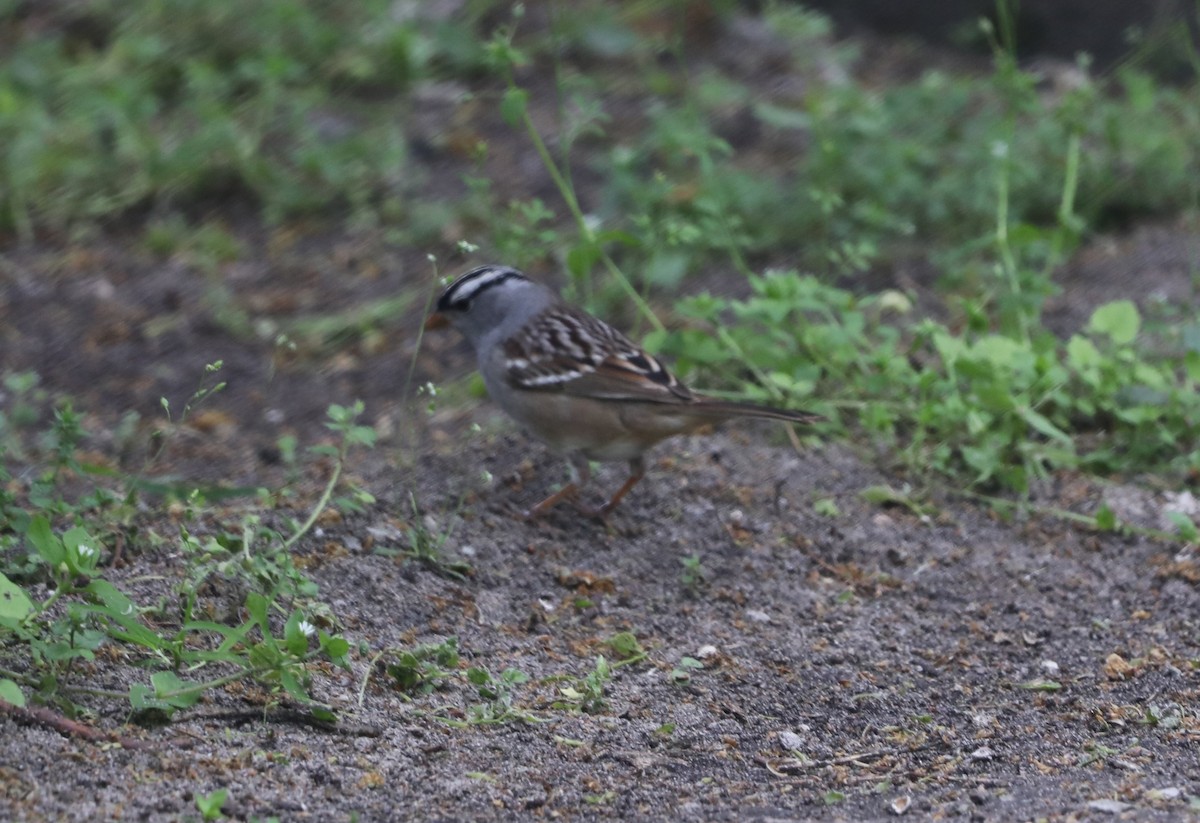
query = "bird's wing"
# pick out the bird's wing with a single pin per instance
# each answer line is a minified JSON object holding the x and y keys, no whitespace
{"x":566,"y":350}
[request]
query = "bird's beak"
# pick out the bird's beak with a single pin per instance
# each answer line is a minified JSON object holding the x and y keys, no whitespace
{"x":436,"y":321}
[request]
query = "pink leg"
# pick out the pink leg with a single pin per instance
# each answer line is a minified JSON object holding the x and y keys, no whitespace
{"x":637,"y":470}
{"x":580,"y":475}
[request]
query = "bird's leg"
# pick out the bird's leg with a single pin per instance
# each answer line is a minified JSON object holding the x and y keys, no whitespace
{"x":581,"y":473}
{"x":637,"y":470}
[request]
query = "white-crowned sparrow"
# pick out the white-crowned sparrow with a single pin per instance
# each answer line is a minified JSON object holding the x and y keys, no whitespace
{"x":574,"y":381}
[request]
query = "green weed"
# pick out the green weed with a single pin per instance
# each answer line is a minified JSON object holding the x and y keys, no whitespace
{"x":268,"y":630}
{"x":424,"y":668}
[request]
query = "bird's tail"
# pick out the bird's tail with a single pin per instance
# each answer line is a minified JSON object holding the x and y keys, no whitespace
{"x":721,"y":409}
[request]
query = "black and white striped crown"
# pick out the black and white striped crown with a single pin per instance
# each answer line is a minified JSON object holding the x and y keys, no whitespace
{"x":459,"y":294}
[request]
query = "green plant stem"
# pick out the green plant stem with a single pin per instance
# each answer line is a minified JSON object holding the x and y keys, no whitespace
{"x":20,"y":677}
{"x":34,"y":682}
{"x":412,"y":431}
{"x":585,"y":231}
{"x":362,"y":688}
{"x":1008,"y":262}
{"x":629,"y":661}
{"x":241,"y":674}
{"x":1066,"y":205}
{"x":326,"y":494}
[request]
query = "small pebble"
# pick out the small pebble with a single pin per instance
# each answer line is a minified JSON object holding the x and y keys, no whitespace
{"x":791,"y":741}
{"x":983,"y":753}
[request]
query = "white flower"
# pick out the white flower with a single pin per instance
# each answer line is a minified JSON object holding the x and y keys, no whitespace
{"x":86,"y":552}
{"x":307,"y":629}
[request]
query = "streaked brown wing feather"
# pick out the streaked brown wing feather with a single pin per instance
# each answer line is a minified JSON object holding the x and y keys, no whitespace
{"x":567,"y":350}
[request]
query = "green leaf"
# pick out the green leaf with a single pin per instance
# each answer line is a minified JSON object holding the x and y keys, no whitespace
{"x":140,"y":636}
{"x":782,"y":118}
{"x":1106,"y":519}
{"x":1082,"y":354}
{"x":75,"y":537}
{"x":10,"y":692}
{"x":1185,"y":527}
{"x":1191,"y":362}
{"x":949,"y":348}
{"x":1042,"y":424}
{"x":323,"y":714}
{"x":49,"y":547}
{"x":887,"y":496}
{"x":14,"y":603}
{"x":141,"y":698}
{"x":513,"y":105}
{"x":1000,"y":351}
{"x":625,"y":645}
{"x":257,"y":606}
{"x":336,"y":648}
{"x":617,"y":236}
{"x":174,"y":691}
{"x":581,"y":258}
{"x":292,"y":685}
{"x":1119,"y":320}
{"x":210,"y":805}
{"x":514,"y":676}
{"x":293,"y":636}
{"x":58,"y":652}
{"x":111,"y":597}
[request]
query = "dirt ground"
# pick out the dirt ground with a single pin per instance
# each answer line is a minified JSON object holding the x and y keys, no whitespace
{"x":858,"y":661}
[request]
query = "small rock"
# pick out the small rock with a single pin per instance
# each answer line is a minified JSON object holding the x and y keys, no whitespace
{"x":1169,"y":793}
{"x":983,"y":753}
{"x":1118,"y":668}
{"x":900,"y":804}
{"x":1109,"y":806}
{"x":1129,"y":503}
{"x":758,"y":616}
{"x":979,"y":796}
{"x":385,"y":533}
{"x":1050,"y":667}
{"x":1184,"y":503}
{"x":706,"y":651}
{"x":791,"y":741}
